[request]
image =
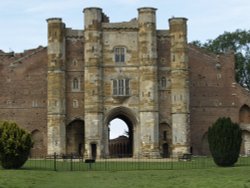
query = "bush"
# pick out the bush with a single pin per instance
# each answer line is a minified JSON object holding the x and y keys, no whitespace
{"x":15,"y":145}
{"x":224,"y":138}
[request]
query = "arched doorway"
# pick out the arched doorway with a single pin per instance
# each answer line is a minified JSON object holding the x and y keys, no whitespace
{"x":204,"y":145}
{"x":75,"y":138}
{"x":165,"y":139}
{"x":123,"y":145}
{"x":244,"y":114}
{"x":244,"y":119}
{"x":165,"y":152}
{"x":38,"y":147}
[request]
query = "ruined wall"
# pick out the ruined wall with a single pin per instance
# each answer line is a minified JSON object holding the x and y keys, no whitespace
{"x":75,"y":78}
{"x":213,"y":92}
{"x":23,"y":96}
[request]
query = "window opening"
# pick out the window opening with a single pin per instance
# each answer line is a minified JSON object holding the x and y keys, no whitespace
{"x":119,"y":55}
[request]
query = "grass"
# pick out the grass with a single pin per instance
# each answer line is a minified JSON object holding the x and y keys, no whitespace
{"x":200,"y":172}
{"x":211,"y":178}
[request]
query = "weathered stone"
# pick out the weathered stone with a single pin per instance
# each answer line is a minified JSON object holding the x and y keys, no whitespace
{"x":64,"y":94}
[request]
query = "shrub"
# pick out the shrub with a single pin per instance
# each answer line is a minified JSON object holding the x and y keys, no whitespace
{"x":224,"y":138}
{"x":15,"y":145}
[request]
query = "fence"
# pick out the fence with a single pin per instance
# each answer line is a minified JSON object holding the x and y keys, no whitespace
{"x":72,"y":163}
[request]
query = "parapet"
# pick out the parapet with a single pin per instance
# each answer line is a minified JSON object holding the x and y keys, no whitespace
{"x":147,"y":9}
{"x":54,"y":20}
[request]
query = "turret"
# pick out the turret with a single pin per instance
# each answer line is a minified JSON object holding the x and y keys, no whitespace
{"x":93,"y":81}
{"x":149,"y":110}
{"x":56,"y":86}
{"x":179,"y":86}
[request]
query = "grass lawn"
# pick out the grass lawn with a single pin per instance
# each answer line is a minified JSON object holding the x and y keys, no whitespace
{"x":201,"y":178}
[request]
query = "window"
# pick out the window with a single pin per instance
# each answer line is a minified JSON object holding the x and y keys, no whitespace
{"x":34,"y":103}
{"x":74,"y":62}
{"x":75,"y":103}
{"x":119,"y":54}
{"x":121,"y":87}
{"x":164,"y":135}
{"x":75,"y":84}
{"x":163,"y":83}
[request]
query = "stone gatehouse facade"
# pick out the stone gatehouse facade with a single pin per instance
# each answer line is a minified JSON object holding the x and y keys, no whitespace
{"x":167,"y":91}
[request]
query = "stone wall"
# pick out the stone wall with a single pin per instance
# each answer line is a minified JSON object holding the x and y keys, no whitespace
{"x":176,"y":91}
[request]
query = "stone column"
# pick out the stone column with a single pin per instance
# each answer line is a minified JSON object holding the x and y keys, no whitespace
{"x":179,"y":86}
{"x":149,"y":110}
{"x":93,"y":80}
{"x":56,"y":87}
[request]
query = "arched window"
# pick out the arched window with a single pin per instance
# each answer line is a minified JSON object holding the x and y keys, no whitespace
{"x":75,"y":84}
{"x":74,"y":62}
{"x":119,"y":54}
{"x":163,"y":83}
{"x":75,"y":103}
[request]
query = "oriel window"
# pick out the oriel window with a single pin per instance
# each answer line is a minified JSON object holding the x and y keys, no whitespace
{"x":121,"y":87}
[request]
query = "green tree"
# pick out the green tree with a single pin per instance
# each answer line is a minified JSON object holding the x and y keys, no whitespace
{"x":239,"y":42}
{"x":15,"y":145}
{"x":224,"y":138}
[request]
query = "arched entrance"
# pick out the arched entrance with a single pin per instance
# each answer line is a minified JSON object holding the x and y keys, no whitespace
{"x":75,"y":138}
{"x":38,"y":147}
{"x":204,"y":145}
{"x":244,"y":119}
{"x":165,"y":139}
{"x":123,"y":145}
{"x":244,"y":115}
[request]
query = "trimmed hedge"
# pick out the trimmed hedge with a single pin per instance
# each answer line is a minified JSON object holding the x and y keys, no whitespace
{"x":15,"y":145}
{"x":224,"y":138}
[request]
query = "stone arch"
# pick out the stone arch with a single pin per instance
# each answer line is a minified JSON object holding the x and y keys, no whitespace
{"x":244,"y":114}
{"x":121,"y":112}
{"x":75,"y":132}
{"x":129,"y":118}
{"x":245,"y":145}
{"x":204,"y":144}
{"x":38,"y":146}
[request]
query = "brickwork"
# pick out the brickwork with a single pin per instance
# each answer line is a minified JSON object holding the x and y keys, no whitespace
{"x":167,"y":92}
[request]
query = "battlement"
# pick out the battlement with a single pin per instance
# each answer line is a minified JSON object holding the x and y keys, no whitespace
{"x":54,"y":20}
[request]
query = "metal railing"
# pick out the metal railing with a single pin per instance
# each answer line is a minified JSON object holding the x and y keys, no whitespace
{"x":74,"y":163}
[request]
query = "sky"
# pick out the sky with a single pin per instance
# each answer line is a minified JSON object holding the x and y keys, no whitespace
{"x":23,"y":22}
{"x":24,"y":26}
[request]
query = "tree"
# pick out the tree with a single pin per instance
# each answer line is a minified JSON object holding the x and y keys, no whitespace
{"x":15,"y":145}
{"x":239,"y":42}
{"x":224,"y":138}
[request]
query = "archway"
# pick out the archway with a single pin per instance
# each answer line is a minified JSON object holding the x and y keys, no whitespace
{"x":244,"y":120}
{"x":75,"y":138}
{"x":38,"y":147}
{"x":244,"y":114}
{"x":205,"y":145}
{"x":120,"y":139}
{"x":165,"y":133}
{"x":123,"y":145}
